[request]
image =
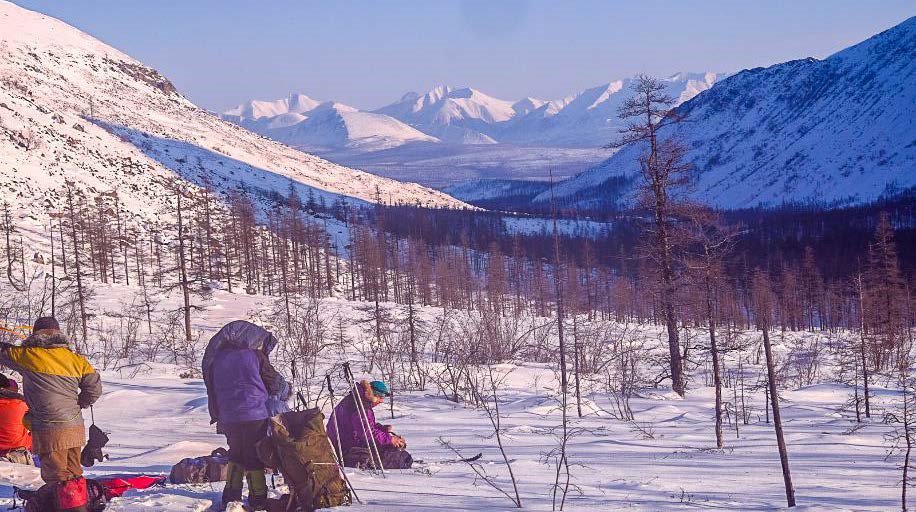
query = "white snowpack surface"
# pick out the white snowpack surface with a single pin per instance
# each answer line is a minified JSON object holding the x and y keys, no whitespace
{"x":155,"y":418}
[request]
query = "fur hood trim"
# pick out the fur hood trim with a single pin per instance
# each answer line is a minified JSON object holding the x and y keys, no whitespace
{"x":46,"y":339}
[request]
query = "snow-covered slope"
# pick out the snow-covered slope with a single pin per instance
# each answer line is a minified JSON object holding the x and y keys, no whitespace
{"x":836,"y":131}
{"x":74,"y":108}
{"x":335,"y":125}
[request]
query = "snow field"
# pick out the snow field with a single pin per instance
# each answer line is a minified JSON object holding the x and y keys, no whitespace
{"x":155,"y":418}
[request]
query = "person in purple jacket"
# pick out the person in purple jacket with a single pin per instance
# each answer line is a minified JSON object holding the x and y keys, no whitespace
{"x":347,"y":429}
{"x":243,"y":389}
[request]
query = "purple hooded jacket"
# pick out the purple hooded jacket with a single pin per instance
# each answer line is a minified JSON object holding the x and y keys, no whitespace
{"x":352,"y":433}
{"x":240,"y":380}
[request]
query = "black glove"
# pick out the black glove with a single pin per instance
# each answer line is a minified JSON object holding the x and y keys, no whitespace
{"x":92,"y":452}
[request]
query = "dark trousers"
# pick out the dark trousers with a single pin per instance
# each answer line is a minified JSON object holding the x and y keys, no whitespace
{"x":61,"y":465}
{"x":243,"y":438}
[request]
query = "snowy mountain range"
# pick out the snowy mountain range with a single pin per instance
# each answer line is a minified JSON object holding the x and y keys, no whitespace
{"x":451,"y":135}
{"x":463,"y":115}
{"x":75,"y":109}
{"x":831,"y":132}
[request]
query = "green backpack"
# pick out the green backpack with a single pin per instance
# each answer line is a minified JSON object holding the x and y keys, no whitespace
{"x":298,"y":447}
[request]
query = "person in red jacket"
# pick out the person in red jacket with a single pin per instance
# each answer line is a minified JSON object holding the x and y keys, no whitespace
{"x":15,"y":439}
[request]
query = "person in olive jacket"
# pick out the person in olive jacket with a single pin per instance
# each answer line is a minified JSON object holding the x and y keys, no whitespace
{"x":57,"y":384}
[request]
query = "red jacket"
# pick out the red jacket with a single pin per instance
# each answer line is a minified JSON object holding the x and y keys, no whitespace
{"x":13,"y":433}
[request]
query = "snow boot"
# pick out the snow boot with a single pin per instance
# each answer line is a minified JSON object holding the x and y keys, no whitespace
{"x":233,"y":490}
{"x":257,"y":489}
{"x":72,"y":496}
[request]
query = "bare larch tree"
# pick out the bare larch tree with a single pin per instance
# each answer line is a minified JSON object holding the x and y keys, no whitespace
{"x":663,"y":172}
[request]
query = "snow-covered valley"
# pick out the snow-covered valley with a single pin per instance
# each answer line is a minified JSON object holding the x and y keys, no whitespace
{"x":664,"y":459}
{"x":596,"y":356}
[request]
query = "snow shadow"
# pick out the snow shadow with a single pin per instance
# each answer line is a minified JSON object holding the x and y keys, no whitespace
{"x":209,"y":167}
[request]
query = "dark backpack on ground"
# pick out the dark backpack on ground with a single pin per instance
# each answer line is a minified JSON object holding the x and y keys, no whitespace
{"x":201,"y":470}
{"x":392,"y":458}
{"x":47,"y":498}
{"x":298,"y":447}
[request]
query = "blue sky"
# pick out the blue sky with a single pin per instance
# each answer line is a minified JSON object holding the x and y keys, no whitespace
{"x":368,"y":53}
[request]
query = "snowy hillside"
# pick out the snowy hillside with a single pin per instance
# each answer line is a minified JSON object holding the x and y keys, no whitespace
{"x":836,"y":131}
{"x":73,"y":108}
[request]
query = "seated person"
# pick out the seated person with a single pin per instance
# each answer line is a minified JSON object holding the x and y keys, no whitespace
{"x":347,"y":429}
{"x":15,"y":439}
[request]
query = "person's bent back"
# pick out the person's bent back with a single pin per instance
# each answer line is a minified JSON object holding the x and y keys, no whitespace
{"x":240,"y":381}
{"x":15,"y":439}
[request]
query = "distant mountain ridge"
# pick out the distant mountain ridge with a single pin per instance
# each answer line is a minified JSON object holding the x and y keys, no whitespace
{"x":464,"y":115}
{"x":450,"y":135}
{"x":829,"y":132}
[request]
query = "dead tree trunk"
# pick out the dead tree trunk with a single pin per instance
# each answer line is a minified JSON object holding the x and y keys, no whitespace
{"x":763,"y":296}
{"x":80,"y":292}
{"x":183,"y":269}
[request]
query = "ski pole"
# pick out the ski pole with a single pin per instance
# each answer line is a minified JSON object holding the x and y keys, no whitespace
{"x":338,"y":452}
{"x":364,"y":419}
{"x":356,"y":400}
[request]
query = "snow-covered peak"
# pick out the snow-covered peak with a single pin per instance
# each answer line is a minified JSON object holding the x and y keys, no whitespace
{"x":455,"y":114}
{"x":526,"y":105}
{"x":332,"y":105}
{"x":256,"y":109}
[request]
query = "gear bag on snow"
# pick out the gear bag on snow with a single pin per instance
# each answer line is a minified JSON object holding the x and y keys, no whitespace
{"x":298,"y":447}
{"x":392,"y":458}
{"x":201,"y":470}
{"x":116,"y":486}
{"x":64,"y":496}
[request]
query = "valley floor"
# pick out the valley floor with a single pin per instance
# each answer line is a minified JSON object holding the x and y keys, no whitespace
{"x":156,"y":418}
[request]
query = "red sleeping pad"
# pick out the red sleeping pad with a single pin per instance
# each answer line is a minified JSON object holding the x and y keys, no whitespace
{"x":115,"y":486}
